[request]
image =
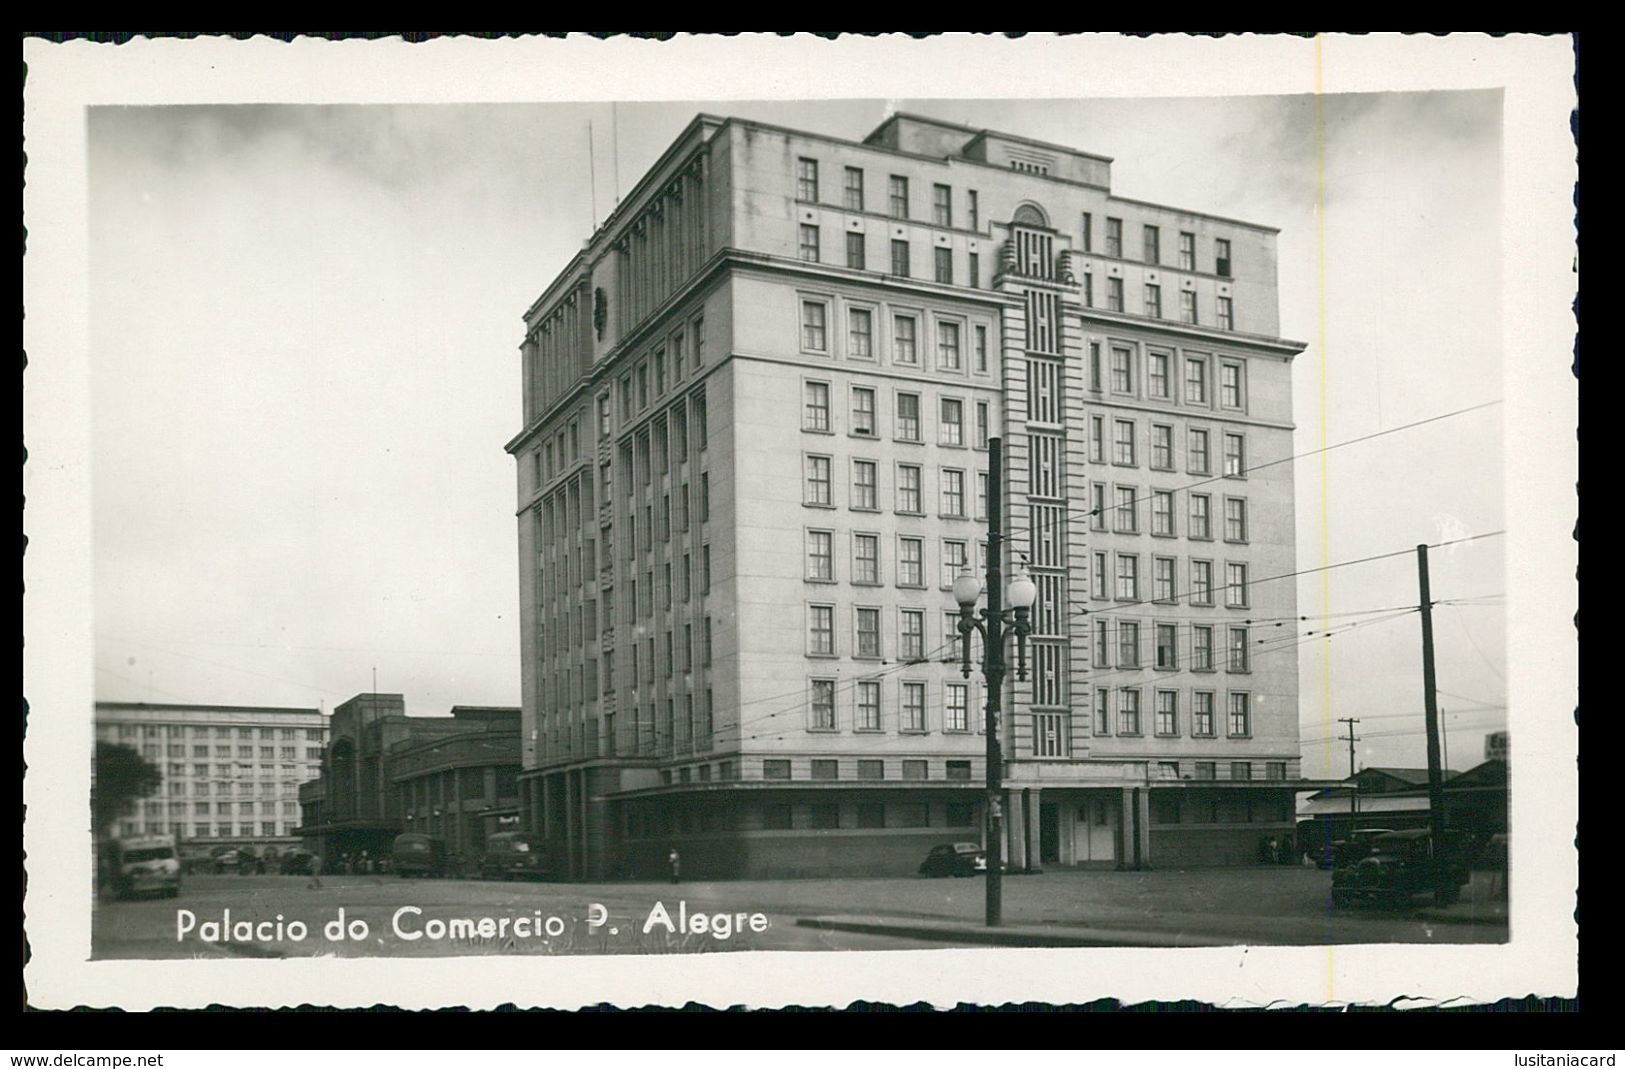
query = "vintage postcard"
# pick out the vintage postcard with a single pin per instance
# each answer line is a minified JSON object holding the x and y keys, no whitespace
{"x":762,"y":521}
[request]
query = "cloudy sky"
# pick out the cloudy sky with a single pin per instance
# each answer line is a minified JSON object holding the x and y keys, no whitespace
{"x":304,"y":329}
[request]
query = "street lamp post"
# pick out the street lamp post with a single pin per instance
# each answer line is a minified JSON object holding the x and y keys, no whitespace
{"x":993,"y":626}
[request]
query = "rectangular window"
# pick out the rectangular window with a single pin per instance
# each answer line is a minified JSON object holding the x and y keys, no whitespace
{"x":973,"y":210}
{"x":1049,"y":735}
{"x":817,"y":488}
{"x":821,"y":630}
{"x":869,"y":720}
{"x":1128,"y":577}
{"x":1153,"y":245}
{"x":1123,"y":442}
{"x":910,"y":562}
{"x":1103,"y":711}
{"x":856,"y":252}
{"x":1241,"y":770}
{"x":1167,"y":712}
{"x":908,"y":417}
{"x":1094,"y":367}
{"x":1114,"y":295}
{"x":913,"y":718}
{"x":863,"y":412}
{"x":1221,"y":257}
{"x":1275,"y":770}
{"x":951,"y":421}
{"x":1162,"y":513}
{"x":1097,"y":439}
{"x":1226,"y":314}
{"x":807,"y":247}
{"x":904,"y":333}
{"x":1202,"y":719}
{"x":1187,"y":251}
{"x":1162,"y":447}
{"x":1198,"y":452}
{"x":1126,"y":519}
{"x":776,"y":768}
{"x":1201,"y":582}
{"x":973,"y":270}
{"x":1235,"y":455}
{"x":955,"y":559}
{"x":1114,"y":237}
{"x":860,"y":334}
{"x":868,"y":627}
{"x":821,"y":555}
{"x":911,"y":635}
{"x":942,"y":265}
{"x":948,"y":352}
{"x":942,"y":211}
{"x":823,"y":705}
{"x":1153,"y":300}
{"x":1128,"y":711}
{"x":1167,"y":646}
{"x":815,"y":406}
{"x":1187,"y":306}
{"x":813,"y":335}
{"x":1196,"y":380}
{"x":866,"y":559}
{"x":1097,"y":575}
{"x":1201,"y":648}
{"x":897,"y":193}
{"x":1235,"y":519}
{"x":1235,"y":586}
{"x":953,"y":493}
{"x":1128,"y":644}
{"x":1238,"y":649}
{"x":1122,"y":370}
{"x":864,"y":481}
{"x":899,"y":258}
{"x":908,"y":489}
{"x":981,"y":495}
{"x":1088,"y":244}
{"x":1241,"y":720}
{"x":807,"y":179}
{"x":1230,"y":390}
{"x":1162,"y":579}
{"x":1156,"y":376}
{"x":1201,"y":525}
{"x":981,"y":349}
{"x":853,"y":193}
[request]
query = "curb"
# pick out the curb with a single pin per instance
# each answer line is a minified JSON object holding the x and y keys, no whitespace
{"x":1019,"y":936}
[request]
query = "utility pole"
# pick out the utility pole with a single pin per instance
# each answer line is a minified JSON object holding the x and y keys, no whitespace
{"x":1354,"y":790}
{"x":1431,"y":698}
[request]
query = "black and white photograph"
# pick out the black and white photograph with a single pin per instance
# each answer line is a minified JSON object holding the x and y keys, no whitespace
{"x":758,"y":519}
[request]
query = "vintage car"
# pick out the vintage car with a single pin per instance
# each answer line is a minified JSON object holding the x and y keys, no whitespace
{"x":419,"y":855}
{"x":1393,"y":868}
{"x":144,"y":864}
{"x":513,"y":855}
{"x":954,"y":859}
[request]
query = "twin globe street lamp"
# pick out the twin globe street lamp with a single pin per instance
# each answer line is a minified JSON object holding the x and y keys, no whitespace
{"x":994,"y":623}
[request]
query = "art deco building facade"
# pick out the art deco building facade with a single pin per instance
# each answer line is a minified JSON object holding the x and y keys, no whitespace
{"x":754,"y":457}
{"x":231,"y":773}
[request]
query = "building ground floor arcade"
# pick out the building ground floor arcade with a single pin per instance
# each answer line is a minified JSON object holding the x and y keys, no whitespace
{"x":597,"y":827}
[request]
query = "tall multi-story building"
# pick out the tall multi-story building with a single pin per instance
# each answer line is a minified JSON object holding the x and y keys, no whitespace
{"x":231,"y":773}
{"x":757,"y":406}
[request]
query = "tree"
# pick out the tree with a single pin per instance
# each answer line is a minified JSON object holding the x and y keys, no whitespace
{"x":121,"y":777}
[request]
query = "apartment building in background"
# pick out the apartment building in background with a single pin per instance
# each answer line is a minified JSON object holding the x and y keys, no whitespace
{"x":231,"y":773}
{"x":754,"y":457}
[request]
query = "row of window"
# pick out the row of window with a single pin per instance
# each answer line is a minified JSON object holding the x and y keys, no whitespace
{"x":1151,"y":245}
{"x":1120,"y":711}
{"x":913,"y":769}
{"x":267,"y":829}
{"x":223,"y":809}
{"x":204,"y":789}
{"x":1224,"y":309}
{"x":1120,"y":644}
{"x":873,"y":710}
{"x":955,"y":345}
{"x":125,"y":732}
{"x":909,"y":487}
{"x":1122,"y":582}
{"x":1186,"y":379}
{"x":1120,"y":513}
{"x":864,"y":417}
{"x":243,"y":753}
{"x":1123,"y":448}
{"x":868,"y":568}
{"x":897,"y":195}
{"x":809,"y":248}
{"x":201,"y":787}
{"x":668,"y":362}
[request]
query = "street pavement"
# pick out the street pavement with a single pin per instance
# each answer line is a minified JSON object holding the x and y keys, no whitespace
{"x":391,"y":916}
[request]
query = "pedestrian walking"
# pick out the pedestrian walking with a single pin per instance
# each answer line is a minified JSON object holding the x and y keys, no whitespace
{"x":316,"y":872}
{"x":675,"y":860}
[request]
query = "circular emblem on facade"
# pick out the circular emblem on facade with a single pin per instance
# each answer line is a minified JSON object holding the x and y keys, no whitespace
{"x":600,"y":311}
